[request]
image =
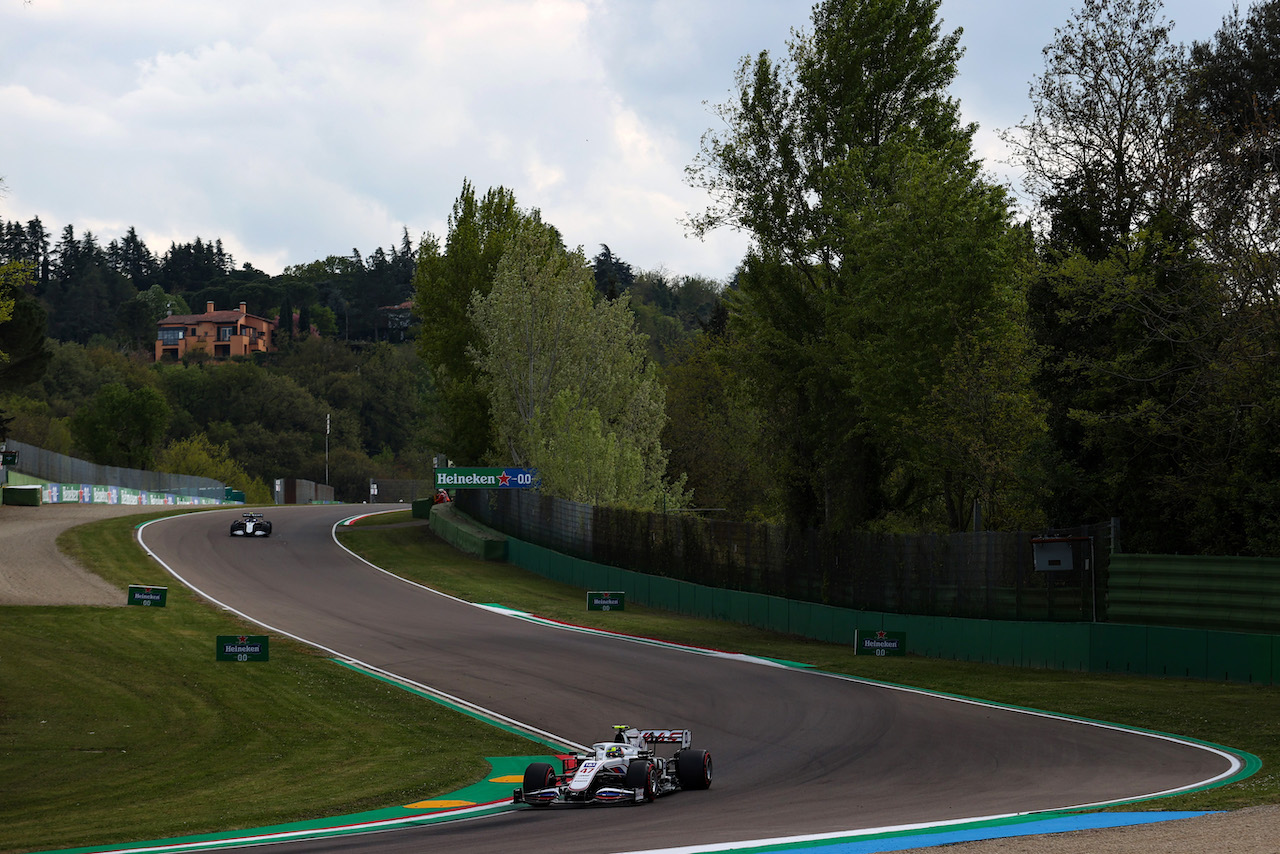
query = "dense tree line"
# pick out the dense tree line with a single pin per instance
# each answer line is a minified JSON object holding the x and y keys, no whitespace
{"x":920,"y":359}
{"x":247,"y":423}
{"x":119,"y":291}
{"x":89,"y":387}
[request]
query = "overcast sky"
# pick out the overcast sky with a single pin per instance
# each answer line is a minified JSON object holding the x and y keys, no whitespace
{"x":298,"y":129}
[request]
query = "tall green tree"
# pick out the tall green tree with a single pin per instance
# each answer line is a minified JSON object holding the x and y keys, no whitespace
{"x":1142,"y":351}
{"x":446,"y":279}
{"x":1233,"y":115}
{"x":197,"y":456}
{"x":877,"y":244}
{"x":1231,"y":120}
{"x":13,"y":276}
{"x":570,"y":390}
{"x":122,"y":426}
{"x":136,"y":318}
{"x":715,"y":432}
{"x":613,"y":275}
{"x":131,"y":257}
{"x":1097,"y":149}
{"x":24,"y":349}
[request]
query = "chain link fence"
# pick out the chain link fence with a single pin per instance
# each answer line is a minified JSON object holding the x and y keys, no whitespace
{"x":987,"y":575}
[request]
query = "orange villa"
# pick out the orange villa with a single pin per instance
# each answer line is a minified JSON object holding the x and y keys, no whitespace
{"x":222,"y":334}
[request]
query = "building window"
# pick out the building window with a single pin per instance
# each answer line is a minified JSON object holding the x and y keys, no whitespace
{"x":170,"y":337}
{"x":225,"y":332}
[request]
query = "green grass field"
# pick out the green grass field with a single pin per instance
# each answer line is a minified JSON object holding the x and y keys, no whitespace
{"x":117,"y":725}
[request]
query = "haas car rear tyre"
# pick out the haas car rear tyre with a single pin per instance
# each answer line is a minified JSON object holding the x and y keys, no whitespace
{"x":693,"y":769}
{"x":641,"y":774}
{"x":537,"y":776}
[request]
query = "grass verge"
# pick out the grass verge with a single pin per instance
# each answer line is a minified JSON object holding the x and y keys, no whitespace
{"x":117,"y":724}
{"x":1245,"y":717}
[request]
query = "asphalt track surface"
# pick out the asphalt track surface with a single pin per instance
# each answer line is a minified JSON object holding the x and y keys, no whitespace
{"x":795,"y":752}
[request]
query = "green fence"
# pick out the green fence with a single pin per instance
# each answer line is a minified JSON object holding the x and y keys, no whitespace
{"x":1087,"y":647}
{"x":984,"y":574}
{"x":1233,"y":593}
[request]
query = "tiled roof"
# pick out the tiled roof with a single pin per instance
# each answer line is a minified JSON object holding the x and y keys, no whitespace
{"x":229,"y":316}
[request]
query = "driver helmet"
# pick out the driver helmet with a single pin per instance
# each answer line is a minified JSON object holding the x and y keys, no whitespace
{"x":615,"y":752}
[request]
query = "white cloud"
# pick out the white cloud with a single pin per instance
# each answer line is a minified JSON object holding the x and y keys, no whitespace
{"x":296,"y":129}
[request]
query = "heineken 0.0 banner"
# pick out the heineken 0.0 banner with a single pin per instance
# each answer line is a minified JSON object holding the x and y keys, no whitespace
{"x":243,"y":648}
{"x":141,"y":594}
{"x":876,"y":642}
{"x":606,"y":600}
{"x":486,"y":478}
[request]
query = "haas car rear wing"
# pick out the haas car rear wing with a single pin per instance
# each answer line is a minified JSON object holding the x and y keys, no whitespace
{"x":639,"y":737}
{"x":681,"y":737}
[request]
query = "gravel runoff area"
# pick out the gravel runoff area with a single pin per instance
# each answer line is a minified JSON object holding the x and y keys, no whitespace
{"x":34,"y":572}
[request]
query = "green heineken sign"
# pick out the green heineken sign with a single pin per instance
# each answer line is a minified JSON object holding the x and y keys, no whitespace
{"x":486,"y":478}
{"x":606,"y":600}
{"x":876,"y":642}
{"x":8,"y":458}
{"x":242,"y":647}
{"x":151,"y":596}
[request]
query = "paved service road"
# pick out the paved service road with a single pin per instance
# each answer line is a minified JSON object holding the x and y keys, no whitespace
{"x":795,"y":752}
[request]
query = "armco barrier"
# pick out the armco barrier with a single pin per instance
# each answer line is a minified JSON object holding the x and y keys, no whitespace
{"x":1085,"y":647}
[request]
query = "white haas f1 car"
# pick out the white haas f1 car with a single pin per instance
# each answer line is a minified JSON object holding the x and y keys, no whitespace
{"x":627,"y":770}
{"x":252,"y":525}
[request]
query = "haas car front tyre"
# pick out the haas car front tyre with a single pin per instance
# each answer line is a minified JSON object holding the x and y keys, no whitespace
{"x":538,"y":775}
{"x":693,"y":769}
{"x":641,"y":774}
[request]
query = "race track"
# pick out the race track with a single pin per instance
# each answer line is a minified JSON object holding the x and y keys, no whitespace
{"x":795,"y":752}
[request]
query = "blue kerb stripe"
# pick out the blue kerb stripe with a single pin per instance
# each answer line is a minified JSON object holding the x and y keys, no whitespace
{"x":1057,"y":824}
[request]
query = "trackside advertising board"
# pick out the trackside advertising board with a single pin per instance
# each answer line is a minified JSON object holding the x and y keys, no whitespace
{"x":151,"y":596}
{"x":876,"y":642}
{"x":242,"y":648}
{"x":486,"y":478}
{"x":606,"y":600}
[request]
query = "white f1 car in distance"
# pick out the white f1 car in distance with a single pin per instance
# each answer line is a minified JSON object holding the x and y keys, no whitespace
{"x":252,"y":525}
{"x":627,"y":770}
